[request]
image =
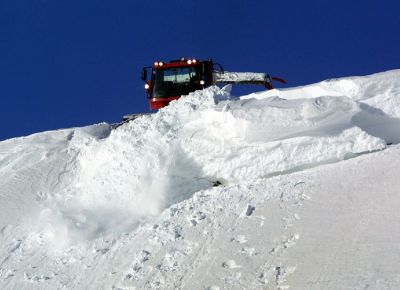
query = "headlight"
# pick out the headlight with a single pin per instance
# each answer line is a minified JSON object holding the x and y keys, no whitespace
{"x":194,"y":61}
{"x":189,"y":61}
{"x":156,"y":64}
{"x":146,"y":86}
{"x":160,"y":63}
{"x":202,"y":82}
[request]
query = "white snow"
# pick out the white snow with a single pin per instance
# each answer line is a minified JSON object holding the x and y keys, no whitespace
{"x":307,"y":195}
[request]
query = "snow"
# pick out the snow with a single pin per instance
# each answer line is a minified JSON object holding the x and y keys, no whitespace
{"x":307,"y":194}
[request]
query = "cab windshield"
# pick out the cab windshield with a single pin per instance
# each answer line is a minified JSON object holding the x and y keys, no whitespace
{"x":176,"y":81}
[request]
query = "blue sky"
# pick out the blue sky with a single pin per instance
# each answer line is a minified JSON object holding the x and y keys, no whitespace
{"x":74,"y":63}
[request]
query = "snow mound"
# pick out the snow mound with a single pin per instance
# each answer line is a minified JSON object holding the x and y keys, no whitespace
{"x":72,"y":190}
{"x":109,"y":180}
{"x":377,"y":95}
{"x":380,"y":91}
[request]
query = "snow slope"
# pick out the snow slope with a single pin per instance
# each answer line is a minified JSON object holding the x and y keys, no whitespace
{"x":301,"y":204}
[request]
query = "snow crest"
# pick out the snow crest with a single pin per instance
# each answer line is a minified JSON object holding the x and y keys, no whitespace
{"x":111,"y":180}
{"x":74,"y":189}
{"x":146,"y":165}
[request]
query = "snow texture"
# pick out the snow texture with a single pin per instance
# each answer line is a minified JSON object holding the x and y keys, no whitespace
{"x":287,"y":188}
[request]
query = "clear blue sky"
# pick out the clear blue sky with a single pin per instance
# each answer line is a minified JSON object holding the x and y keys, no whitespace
{"x":66,"y":63}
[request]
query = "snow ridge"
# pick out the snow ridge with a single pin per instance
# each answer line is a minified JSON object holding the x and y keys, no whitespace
{"x":139,"y":201}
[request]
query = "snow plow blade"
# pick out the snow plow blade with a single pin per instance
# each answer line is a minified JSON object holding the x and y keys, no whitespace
{"x":246,"y":78}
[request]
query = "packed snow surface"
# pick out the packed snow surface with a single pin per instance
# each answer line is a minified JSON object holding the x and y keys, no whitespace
{"x":287,"y":188}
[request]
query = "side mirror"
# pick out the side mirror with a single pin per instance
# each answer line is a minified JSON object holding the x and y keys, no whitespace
{"x":143,"y":75}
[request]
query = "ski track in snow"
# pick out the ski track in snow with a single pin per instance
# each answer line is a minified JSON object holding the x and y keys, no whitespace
{"x":135,"y":207}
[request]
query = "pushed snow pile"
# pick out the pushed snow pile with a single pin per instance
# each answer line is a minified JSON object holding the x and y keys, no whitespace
{"x":379,"y":91}
{"x":377,"y":95}
{"x":77,"y":194}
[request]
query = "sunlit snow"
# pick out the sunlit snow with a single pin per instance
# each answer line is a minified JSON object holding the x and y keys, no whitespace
{"x":305,"y":198}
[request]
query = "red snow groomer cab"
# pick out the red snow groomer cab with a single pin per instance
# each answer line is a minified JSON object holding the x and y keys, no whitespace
{"x":169,"y":81}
